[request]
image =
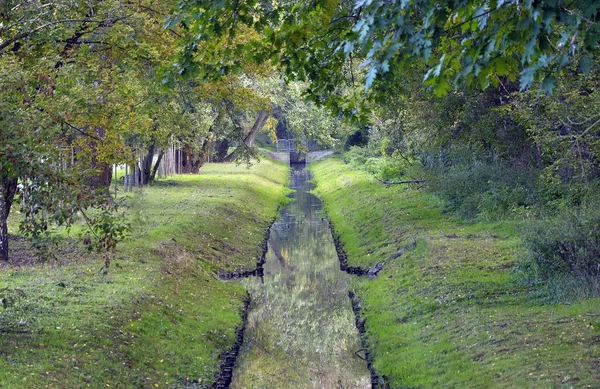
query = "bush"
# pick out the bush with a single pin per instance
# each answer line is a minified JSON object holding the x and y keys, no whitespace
{"x":567,"y":245}
{"x":357,"y":156}
{"x":484,"y":190}
{"x":391,"y":169}
{"x":369,"y":160}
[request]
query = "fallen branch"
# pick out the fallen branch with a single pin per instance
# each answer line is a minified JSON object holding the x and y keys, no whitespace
{"x":360,"y":356}
{"x":400,"y":182}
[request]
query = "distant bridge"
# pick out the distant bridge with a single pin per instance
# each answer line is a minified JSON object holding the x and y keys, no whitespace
{"x":286,"y":152}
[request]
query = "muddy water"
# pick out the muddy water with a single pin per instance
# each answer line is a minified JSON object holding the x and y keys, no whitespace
{"x":301,"y":329}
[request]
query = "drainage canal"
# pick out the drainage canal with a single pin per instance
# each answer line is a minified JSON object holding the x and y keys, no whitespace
{"x":300,"y":330}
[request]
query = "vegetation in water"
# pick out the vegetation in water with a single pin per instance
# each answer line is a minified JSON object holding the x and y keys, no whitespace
{"x":301,"y":330}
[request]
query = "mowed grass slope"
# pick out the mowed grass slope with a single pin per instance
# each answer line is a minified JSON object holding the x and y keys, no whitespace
{"x":160,"y":318}
{"x":447,"y":311}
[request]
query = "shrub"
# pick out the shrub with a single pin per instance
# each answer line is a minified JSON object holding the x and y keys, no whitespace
{"x":484,"y":190}
{"x":391,"y":169}
{"x":357,"y":156}
{"x":566,"y":245}
{"x":369,"y":160}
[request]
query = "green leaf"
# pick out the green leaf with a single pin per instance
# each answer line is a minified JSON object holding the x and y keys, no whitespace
{"x":501,"y":65}
{"x":585,"y":64}
{"x":385,"y":66}
{"x":442,"y":88}
{"x":370,"y":78}
{"x":527,"y":76}
{"x":548,"y":84}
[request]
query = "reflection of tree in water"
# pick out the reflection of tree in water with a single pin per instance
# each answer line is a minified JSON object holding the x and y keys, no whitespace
{"x":300,"y":329}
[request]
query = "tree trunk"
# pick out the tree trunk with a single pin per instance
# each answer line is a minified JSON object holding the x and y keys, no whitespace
{"x":258,"y":124}
{"x":8,"y":188}
{"x":222,"y":148}
{"x":147,"y":164}
{"x":185,"y":161}
{"x":192,"y":160}
{"x":207,"y":147}
{"x":261,"y":119}
{"x":178,"y":164}
{"x":195,"y":164}
{"x":156,"y":165}
{"x":103,"y":178}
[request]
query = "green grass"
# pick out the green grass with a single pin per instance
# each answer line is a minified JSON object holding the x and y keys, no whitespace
{"x":450,"y":312}
{"x":160,"y":317}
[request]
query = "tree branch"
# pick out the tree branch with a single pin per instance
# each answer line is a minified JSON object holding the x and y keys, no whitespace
{"x":575,"y":137}
{"x":342,"y":17}
{"x":17,"y":38}
{"x":474,"y":17}
{"x":82,"y":132}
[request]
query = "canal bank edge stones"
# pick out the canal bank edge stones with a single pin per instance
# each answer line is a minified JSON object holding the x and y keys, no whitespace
{"x":258,"y":271}
{"x":343,"y":258}
{"x":377,"y":382}
{"x":225,"y":374}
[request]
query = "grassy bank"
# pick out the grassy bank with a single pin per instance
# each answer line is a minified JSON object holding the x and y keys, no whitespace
{"x":449,"y":312}
{"x":160,"y":318}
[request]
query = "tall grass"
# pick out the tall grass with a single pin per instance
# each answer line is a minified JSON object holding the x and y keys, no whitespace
{"x":564,"y":250}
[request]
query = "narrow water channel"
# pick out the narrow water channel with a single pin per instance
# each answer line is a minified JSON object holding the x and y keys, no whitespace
{"x":301,"y":330}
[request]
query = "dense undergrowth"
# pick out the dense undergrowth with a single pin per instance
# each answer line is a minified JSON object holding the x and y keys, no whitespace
{"x":452,"y":311}
{"x":160,"y":318}
{"x":558,"y":221}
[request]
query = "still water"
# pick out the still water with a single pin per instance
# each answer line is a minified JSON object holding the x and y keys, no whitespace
{"x":300,"y":331}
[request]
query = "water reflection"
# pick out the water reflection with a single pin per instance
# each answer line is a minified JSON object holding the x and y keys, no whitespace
{"x":300,"y":331}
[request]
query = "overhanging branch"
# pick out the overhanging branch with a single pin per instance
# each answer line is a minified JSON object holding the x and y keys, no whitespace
{"x":82,"y":132}
{"x":18,"y":37}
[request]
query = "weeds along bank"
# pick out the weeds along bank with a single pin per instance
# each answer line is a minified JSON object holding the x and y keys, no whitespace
{"x":160,"y":318}
{"x":450,"y":312}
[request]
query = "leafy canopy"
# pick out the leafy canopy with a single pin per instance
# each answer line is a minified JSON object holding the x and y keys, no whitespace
{"x":472,"y":41}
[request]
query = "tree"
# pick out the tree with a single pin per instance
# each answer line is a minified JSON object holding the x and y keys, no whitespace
{"x":564,"y":128}
{"x":239,"y":111}
{"x":305,"y":121}
{"x":64,"y":107}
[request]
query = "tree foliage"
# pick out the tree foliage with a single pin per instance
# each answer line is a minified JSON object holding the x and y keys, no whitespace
{"x":477,"y":41}
{"x":69,"y":90}
{"x":473,"y":42}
